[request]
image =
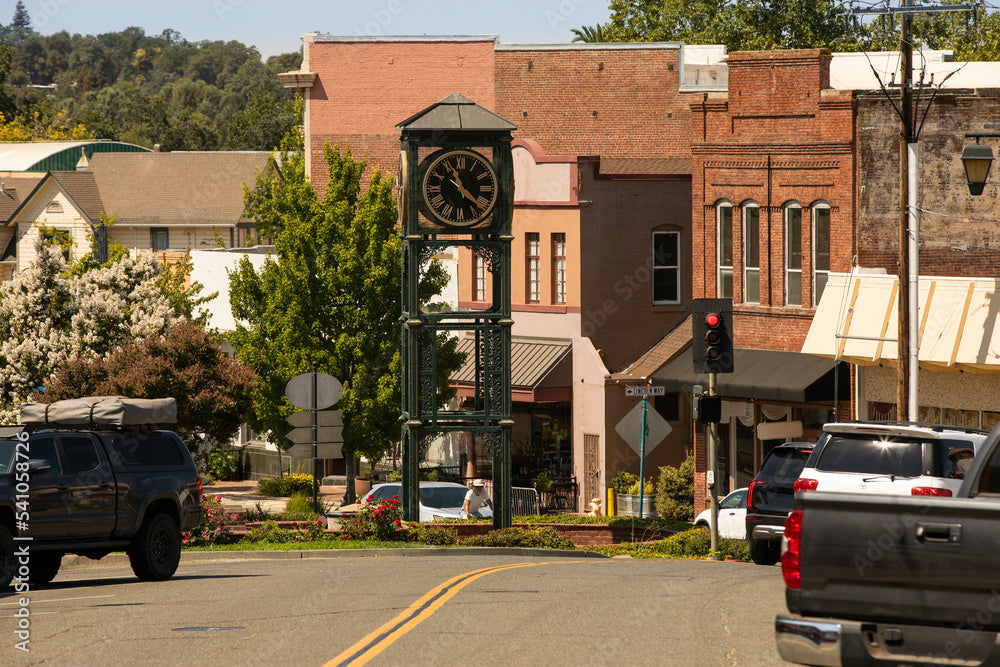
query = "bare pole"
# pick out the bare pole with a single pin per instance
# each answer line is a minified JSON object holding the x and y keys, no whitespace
{"x":906,"y":137}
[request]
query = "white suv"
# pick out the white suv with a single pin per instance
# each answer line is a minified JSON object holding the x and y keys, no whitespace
{"x":903,"y":458}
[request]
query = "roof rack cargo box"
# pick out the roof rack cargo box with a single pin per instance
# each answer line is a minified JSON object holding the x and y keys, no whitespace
{"x":101,"y":411}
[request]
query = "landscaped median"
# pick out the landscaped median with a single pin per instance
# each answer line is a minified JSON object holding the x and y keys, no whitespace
{"x":380,"y":526}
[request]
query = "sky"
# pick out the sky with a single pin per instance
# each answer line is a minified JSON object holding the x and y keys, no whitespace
{"x":276,"y":27}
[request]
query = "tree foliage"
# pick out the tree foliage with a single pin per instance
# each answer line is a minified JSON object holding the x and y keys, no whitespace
{"x":48,"y":317}
{"x":213,"y":392}
{"x":330,"y":296}
{"x":129,"y":86}
{"x":758,"y":25}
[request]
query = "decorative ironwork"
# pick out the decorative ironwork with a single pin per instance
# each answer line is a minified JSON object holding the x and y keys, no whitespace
{"x":436,"y":129}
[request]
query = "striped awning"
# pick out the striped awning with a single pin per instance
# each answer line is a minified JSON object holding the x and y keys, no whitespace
{"x":856,"y":321}
{"x":535,"y":364}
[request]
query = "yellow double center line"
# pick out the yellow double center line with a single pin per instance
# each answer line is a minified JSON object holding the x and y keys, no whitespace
{"x":379,"y":640}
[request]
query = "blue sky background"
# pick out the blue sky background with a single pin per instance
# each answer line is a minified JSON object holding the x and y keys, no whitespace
{"x":275,"y":27}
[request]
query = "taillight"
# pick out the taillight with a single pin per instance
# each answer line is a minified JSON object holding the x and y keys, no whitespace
{"x":790,"y":560}
{"x":200,"y":497}
{"x":804,"y":484}
{"x":929,"y":491}
{"x":753,"y":485}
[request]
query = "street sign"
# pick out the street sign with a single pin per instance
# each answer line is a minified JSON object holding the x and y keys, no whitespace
{"x":645,"y":391}
{"x":323,"y":418}
{"x":324,"y":450}
{"x":630,"y":428}
{"x":304,"y":434}
{"x":301,"y":394}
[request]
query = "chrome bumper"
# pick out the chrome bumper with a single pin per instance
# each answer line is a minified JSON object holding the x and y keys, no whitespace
{"x":829,"y":642}
{"x":808,"y":642}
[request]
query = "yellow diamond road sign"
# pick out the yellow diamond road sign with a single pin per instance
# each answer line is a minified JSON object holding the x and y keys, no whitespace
{"x":630,"y":428}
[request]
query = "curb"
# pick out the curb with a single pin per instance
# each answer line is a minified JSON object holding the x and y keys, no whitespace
{"x":74,"y":562}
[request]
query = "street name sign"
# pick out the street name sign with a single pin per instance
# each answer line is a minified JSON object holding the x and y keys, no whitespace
{"x":324,"y":450}
{"x":646,"y":391}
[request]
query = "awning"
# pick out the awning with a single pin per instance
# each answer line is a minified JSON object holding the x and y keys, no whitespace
{"x":541,"y":369}
{"x":761,"y":374}
{"x":957,"y":321}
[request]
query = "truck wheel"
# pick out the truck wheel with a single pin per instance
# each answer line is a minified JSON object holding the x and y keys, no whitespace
{"x":156,"y":549}
{"x":8,"y":564}
{"x":764,"y":552}
{"x":44,"y":567}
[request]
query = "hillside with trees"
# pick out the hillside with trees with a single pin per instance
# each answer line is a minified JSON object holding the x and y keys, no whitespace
{"x":142,"y":89}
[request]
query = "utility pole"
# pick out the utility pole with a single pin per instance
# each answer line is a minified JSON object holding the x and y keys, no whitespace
{"x":907,"y":345}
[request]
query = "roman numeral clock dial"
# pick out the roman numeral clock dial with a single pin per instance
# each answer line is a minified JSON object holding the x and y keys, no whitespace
{"x":459,"y":188}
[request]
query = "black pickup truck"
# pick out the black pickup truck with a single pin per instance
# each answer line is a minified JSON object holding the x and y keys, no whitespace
{"x":894,"y":579}
{"x":80,"y":485}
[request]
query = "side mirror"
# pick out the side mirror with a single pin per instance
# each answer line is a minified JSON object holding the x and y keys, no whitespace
{"x":38,"y":465}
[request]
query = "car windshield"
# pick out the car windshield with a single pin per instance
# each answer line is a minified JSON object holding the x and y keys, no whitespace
{"x":784,"y":465}
{"x":442,"y":496}
{"x":875,"y":456}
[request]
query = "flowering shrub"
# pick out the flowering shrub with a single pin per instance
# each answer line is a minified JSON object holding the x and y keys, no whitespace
{"x":381,"y":520}
{"x":270,"y":531}
{"x":287,"y":486}
{"x":215,"y":526}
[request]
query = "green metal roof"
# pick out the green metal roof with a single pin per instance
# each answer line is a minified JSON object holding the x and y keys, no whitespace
{"x":44,"y":156}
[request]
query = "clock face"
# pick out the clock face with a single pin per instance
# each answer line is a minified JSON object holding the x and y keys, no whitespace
{"x":459,"y":188}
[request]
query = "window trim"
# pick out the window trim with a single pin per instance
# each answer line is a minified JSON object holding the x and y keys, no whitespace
{"x":478,"y":277}
{"x":153,"y":232}
{"x":789,"y":270}
{"x":749,"y":270}
{"x":723,"y":270}
{"x":676,"y":268}
{"x":817,"y":292}
{"x":559,"y":268}
{"x":533,"y":268}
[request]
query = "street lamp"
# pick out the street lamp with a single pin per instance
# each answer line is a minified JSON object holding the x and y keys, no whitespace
{"x":977,"y":160}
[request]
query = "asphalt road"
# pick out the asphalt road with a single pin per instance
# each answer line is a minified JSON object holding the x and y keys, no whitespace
{"x":477,"y":608}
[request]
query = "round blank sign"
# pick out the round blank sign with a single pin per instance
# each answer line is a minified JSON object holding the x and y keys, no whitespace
{"x":299,"y":391}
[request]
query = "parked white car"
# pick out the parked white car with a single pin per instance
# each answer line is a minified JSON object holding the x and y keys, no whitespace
{"x":888,"y":458}
{"x":438,"y":500}
{"x":732,"y":515}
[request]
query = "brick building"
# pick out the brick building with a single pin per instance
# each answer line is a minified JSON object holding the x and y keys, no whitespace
{"x":602,"y":217}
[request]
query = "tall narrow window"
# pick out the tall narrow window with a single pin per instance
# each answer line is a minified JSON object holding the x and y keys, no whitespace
{"x":666,"y":267}
{"x":751,"y":253}
{"x":821,"y":251}
{"x":724,"y":219}
{"x":533,"y":265}
{"x":793,"y":256}
{"x":558,"y":268}
{"x":479,"y":277}
{"x":159,"y":239}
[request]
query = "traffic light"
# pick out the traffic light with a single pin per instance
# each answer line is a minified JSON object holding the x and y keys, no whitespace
{"x":712,"y":338}
{"x":708,"y":409}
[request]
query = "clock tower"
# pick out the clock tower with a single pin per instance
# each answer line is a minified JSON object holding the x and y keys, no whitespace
{"x":456,"y":188}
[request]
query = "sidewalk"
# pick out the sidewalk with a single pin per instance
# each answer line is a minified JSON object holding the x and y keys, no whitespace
{"x":238,"y":496}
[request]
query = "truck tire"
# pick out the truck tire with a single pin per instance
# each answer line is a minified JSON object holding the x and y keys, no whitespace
{"x":764,"y":552}
{"x":44,"y":567}
{"x":8,"y":563}
{"x":156,"y":549}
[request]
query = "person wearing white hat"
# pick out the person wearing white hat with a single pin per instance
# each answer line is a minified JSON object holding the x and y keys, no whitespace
{"x":474,"y":499}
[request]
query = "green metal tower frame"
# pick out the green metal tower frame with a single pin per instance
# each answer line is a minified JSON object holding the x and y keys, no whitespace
{"x":456,"y":123}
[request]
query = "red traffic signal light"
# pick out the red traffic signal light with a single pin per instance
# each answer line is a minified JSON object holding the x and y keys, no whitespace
{"x":713,"y":319}
{"x":712,"y":336}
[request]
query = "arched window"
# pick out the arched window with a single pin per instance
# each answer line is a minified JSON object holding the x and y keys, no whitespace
{"x":724,"y":224}
{"x":821,"y":249}
{"x":793,"y":255}
{"x":751,"y":252}
{"x":54,"y":207}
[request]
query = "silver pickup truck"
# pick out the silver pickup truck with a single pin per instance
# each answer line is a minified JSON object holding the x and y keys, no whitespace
{"x":895,"y":580}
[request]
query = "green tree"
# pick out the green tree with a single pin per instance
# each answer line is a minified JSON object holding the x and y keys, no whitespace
{"x":260,"y":126}
{"x":590,"y":34}
{"x":331,"y":295}
{"x":741,"y":25}
{"x":213,"y":392}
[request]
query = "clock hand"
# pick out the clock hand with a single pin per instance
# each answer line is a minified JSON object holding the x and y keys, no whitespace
{"x":461,"y":188}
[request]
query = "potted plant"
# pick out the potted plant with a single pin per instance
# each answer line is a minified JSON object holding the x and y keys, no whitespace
{"x":622,"y":484}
